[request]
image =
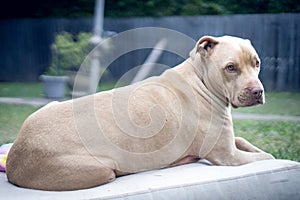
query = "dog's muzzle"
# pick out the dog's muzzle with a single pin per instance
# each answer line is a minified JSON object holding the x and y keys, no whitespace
{"x":251,"y":96}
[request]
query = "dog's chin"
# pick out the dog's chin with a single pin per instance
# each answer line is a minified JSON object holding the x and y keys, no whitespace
{"x":248,"y":104}
{"x":234,"y":105}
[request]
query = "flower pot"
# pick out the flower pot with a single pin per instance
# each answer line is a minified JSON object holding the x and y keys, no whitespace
{"x":54,"y":86}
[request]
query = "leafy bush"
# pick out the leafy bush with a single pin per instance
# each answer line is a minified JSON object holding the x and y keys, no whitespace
{"x":68,"y":52}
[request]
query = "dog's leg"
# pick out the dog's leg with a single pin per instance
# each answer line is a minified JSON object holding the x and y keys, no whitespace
{"x":66,"y":172}
{"x":243,"y":157}
{"x":244,"y":145}
{"x":238,"y":157}
{"x":237,"y":152}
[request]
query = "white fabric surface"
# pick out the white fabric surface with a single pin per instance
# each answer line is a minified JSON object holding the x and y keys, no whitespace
{"x":269,"y":179}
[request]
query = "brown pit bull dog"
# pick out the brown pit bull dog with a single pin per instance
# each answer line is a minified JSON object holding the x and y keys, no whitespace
{"x":173,"y":119}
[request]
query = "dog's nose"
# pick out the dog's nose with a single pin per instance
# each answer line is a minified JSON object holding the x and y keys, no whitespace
{"x":257,"y":92}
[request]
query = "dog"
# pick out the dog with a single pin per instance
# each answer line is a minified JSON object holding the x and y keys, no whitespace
{"x":172,"y":119}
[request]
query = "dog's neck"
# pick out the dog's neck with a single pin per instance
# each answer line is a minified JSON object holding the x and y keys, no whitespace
{"x":203,"y":85}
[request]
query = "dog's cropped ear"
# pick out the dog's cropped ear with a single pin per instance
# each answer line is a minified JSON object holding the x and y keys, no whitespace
{"x":205,"y":46}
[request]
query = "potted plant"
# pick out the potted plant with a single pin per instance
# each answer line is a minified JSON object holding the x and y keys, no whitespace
{"x":54,"y":79}
{"x":68,"y":52}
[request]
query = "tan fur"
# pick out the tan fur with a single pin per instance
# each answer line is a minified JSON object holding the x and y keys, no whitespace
{"x":89,"y":141}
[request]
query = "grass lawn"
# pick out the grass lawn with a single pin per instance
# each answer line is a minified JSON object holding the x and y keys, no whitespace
{"x":21,"y":90}
{"x":280,"y":138}
{"x":34,"y":89}
{"x":11,"y":120}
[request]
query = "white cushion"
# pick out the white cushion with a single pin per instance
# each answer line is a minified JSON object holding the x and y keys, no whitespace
{"x":269,"y":179}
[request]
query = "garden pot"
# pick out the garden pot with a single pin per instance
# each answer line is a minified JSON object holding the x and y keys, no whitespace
{"x":54,"y":86}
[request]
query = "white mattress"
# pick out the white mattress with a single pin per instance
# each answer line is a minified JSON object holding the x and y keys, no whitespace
{"x":270,"y":179}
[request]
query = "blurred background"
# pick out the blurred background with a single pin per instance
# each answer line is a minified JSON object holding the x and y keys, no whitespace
{"x":30,"y":28}
{"x":53,"y":37}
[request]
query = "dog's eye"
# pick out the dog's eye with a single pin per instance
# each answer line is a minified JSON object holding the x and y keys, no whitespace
{"x":231,"y":68}
{"x":257,"y":64}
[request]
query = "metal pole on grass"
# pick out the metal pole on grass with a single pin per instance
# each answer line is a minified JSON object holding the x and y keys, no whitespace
{"x":95,"y":40}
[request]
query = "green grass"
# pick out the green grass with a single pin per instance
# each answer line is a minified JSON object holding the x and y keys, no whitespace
{"x":35,"y":89}
{"x":280,"y":138}
{"x":21,"y":90}
{"x":280,"y":103}
{"x":11,"y":119}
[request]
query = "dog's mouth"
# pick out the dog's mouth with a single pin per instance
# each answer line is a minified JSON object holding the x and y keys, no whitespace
{"x":248,"y":97}
{"x":246,"y":104}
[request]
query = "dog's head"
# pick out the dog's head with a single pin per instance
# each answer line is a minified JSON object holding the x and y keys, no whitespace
{"x":230,"y":67}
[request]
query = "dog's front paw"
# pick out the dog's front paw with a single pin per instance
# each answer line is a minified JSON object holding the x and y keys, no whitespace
{"x":267,"y":156}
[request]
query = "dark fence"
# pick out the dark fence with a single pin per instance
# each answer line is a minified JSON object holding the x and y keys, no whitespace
{"x":25,"y":43}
